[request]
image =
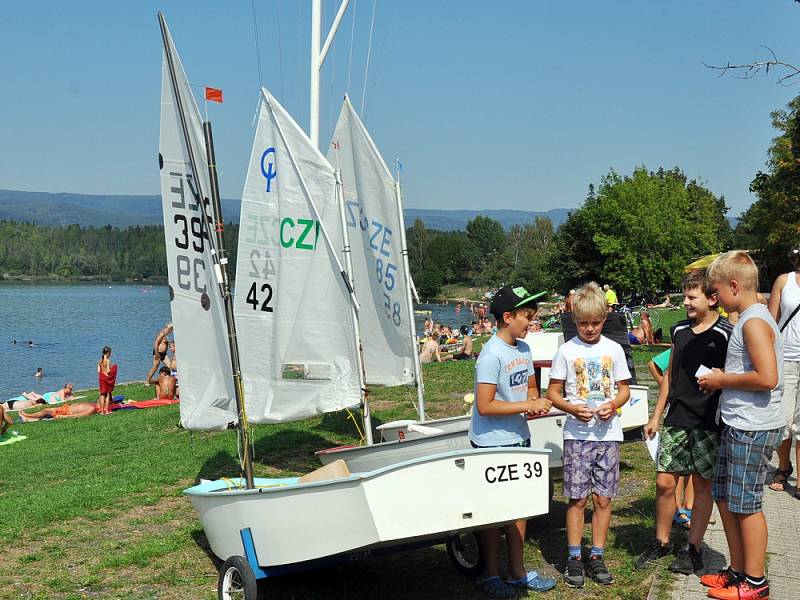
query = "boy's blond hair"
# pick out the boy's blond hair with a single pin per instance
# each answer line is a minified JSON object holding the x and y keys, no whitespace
{"x":589,"y":301}
{"x":735,"y":264}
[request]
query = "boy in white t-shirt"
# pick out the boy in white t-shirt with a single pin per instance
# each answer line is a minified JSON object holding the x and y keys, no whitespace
{"x":593,"y":373}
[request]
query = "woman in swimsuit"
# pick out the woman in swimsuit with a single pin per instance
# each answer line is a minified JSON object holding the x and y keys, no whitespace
{"x":23,"y":401}
{"x":160,"y":345}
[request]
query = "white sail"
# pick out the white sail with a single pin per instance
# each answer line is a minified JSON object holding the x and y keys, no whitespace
{"x":198,"y":315}
{"x":373,"y":220}
{"x":293,"y":313}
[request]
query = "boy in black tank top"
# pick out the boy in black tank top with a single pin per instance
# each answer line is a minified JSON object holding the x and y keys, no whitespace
{"x":689,"y":439}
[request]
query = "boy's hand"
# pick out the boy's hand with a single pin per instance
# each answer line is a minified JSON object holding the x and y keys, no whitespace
{"x":650,"y":429}
{"x":539,"y":406}
{"x":606,"y":410}
{"x":582,"y":412}
{"x":711,"y":382}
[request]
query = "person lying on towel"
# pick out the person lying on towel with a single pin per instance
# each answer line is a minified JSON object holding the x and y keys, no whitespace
{"x":65,"y":411}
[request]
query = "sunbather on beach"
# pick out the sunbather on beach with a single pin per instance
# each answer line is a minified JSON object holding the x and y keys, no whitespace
{"x":23,"y":401}
{"x":65,"y":411}
{"x":166,"y":384}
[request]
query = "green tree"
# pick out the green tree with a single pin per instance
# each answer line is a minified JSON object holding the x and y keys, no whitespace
{"x":638,"y":232}
{"x":772,"y":223}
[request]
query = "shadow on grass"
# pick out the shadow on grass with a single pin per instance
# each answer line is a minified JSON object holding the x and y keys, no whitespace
{"x":290,"y":450}
{"x":199,"y":537}
{"x":222,"y":464}
{"x":341,"y":423}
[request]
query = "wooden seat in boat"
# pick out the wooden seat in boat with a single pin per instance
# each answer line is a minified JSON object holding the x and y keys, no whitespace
{"x":335,"y":470}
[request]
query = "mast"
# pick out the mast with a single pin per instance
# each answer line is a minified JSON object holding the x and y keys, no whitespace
{"x":348,"y":262}
{"x":408,"y":284}
{"x":222,"y":276}
{"x":219,"y":267}
{"x":318,"y":59}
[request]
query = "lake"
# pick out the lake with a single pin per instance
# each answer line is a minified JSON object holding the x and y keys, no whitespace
{"x":70,"y":323}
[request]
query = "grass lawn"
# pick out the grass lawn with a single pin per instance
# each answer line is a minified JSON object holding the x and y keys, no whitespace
{"x":92,"y":508}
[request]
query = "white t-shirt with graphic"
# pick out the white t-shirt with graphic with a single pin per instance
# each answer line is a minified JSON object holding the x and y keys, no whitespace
{"x":590,"y":373}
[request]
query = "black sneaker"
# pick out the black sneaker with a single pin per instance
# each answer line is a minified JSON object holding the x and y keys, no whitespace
{"x":598,"y":570}
{"x":573,"y":574}
{"x":652,"y":554}
{"x":687,"y":561}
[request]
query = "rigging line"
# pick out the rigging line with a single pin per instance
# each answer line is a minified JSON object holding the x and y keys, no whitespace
{"x":369,"y":53}
{"x":280,"y":49}
{"x":350,"y":60}
{"x":258,"y":50}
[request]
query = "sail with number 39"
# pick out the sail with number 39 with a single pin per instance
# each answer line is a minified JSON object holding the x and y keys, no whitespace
{"x":198,"y":314}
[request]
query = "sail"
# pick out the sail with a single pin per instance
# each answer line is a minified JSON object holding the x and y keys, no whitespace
{"x":293,"y":312}
{"x":379,"y":278}
{"x":198,"y":314}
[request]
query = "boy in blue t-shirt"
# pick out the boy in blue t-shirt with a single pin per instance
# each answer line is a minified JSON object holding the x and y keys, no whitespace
{"x":505,"y":392}
{"x":589,"y":381}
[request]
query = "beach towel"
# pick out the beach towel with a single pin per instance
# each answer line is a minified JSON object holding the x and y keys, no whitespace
{"x":11,"y":437}
{"x":144,"y":404}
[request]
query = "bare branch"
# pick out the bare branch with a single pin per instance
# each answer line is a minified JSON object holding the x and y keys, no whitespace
{"x":753,"y":69}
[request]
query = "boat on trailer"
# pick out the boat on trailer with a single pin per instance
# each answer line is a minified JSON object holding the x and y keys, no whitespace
{"x":273,"y":372}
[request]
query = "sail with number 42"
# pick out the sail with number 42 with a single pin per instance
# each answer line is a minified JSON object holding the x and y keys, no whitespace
{"x":198,"y":314}
{"x":373,"y":219}
{"x":294,"y":319}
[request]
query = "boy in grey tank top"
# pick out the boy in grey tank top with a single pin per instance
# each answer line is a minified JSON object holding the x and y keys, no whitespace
{"x":752,"y":420}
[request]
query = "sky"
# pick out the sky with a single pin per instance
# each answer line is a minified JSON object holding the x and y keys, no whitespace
{"x":514,"y":104}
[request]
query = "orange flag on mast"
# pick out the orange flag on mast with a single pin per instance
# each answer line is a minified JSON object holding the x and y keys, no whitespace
{"x":213,"y":94}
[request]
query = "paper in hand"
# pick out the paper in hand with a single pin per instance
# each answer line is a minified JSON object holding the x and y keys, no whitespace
{"x":702,"y":370}
{"x":652,"y":445}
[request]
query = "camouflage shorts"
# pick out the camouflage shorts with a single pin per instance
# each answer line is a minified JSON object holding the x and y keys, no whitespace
{"x":682,"y":450}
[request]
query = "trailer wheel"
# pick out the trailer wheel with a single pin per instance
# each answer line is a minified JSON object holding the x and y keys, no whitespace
{"x":237,"y":580}
{"x":465,"y":552}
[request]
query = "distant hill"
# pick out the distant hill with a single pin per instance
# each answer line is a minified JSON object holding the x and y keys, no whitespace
{"x":44,"y":208}
{"x":456,"y":220}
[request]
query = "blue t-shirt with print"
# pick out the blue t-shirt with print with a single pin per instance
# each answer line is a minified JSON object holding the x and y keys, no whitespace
{"x":508,"y":367}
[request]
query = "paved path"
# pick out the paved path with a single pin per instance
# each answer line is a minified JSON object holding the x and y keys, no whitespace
{"x":783,"y":552}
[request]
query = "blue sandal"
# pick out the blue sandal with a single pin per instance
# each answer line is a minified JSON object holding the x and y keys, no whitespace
{"x":494,"y":587}
{"x":683,"y":518}
{"x":533,"y":581}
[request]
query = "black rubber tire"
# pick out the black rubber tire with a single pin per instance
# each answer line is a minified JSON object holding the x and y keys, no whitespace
{"x":236,"y":580}
{"x":465,"y":553}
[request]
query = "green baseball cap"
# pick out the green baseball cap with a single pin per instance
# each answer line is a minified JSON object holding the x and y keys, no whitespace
{"x":510,"y":298}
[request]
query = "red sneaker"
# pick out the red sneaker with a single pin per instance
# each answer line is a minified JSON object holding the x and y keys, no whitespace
{"x":720,"y":579}
{"x":743,"y":590}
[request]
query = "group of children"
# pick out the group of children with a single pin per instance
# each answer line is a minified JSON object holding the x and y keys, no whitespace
{"x":722,"y":397}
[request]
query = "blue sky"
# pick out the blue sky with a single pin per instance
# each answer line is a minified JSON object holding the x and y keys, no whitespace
{"x":513,"y":104}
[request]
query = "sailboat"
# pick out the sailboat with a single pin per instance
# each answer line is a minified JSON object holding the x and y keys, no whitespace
{"x":261,"y":527}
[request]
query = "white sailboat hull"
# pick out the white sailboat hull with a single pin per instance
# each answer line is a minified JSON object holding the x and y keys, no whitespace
{"x":405,"y":443}
{"x":426,"y":498}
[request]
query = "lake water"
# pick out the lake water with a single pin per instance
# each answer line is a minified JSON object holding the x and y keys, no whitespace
{"x":70,"y":323}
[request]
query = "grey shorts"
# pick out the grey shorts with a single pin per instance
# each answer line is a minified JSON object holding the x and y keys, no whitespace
{"x":590,"y":467}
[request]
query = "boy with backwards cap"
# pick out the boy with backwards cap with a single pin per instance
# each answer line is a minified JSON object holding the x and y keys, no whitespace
{"x":505,"y":392}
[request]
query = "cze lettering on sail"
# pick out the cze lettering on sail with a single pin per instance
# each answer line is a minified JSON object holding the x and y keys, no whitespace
{"x":191,"y":234}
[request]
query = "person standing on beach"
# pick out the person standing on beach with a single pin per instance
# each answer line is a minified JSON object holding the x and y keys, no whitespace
{"x":160,"y":345}
{"x":107,"y":378}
